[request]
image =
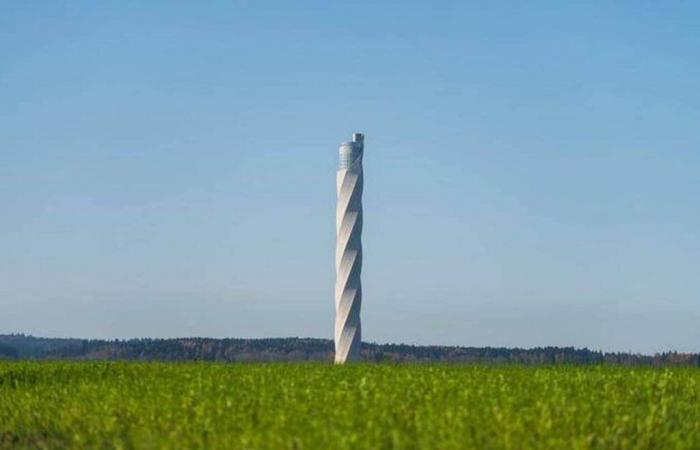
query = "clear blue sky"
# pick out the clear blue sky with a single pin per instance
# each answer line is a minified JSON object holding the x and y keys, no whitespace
{"x":532,"y":172}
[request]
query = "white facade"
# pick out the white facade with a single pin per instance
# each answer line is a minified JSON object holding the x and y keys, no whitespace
{"x":348,"y":251}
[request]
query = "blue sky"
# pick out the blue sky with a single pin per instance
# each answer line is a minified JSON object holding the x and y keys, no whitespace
{"x":531,"y":171}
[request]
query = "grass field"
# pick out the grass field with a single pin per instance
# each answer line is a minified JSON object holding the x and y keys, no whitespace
{"x":318,"y":406}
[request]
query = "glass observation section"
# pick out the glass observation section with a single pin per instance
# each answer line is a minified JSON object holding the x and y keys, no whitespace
{"x":349,"y":152}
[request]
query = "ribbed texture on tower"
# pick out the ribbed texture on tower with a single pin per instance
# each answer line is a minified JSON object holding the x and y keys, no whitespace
{"x":348,"y":252}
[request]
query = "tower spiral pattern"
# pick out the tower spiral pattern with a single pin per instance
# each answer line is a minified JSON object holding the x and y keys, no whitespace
{"x":348,"y":251}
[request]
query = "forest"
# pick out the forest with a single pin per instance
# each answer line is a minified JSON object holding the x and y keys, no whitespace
{"x":21,"y":346}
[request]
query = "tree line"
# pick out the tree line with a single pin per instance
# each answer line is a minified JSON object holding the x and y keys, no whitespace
{"x":20,"y":346}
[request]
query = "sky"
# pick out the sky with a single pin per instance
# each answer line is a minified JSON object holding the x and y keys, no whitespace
{"x":532,"y":169}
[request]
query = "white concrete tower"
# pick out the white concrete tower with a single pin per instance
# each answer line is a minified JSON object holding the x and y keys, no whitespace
{"x":348,"y":250}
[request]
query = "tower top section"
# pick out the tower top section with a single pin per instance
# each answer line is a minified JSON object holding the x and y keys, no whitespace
{"x":351,"y":151}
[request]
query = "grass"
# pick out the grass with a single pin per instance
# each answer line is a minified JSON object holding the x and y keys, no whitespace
{"x":318,"y":406}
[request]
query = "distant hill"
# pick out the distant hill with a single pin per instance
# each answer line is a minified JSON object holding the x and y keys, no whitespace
{"x":20,"y":346}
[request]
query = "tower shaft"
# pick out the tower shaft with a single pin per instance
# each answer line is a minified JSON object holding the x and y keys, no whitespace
{"x":348,"y":252}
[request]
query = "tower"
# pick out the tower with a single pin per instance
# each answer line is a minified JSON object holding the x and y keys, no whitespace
{"x":348,"y":250}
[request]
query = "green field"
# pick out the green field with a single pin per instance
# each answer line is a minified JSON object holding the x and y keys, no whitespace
{"x":320,"y":406}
